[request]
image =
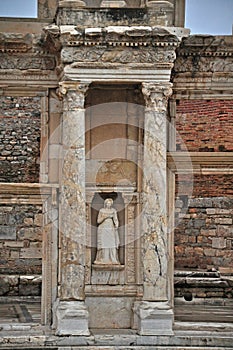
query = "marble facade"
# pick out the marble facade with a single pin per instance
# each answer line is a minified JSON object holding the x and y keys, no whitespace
{"x":125,"y":141}
{"x":101,"y":74}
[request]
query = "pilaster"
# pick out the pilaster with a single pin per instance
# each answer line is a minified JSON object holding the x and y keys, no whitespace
{"x":71,"y":312}
{"x":155,"y":315}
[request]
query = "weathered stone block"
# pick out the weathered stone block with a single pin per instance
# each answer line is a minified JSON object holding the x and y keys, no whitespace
{"x":31,"y":253}
{"x":223,"y":221}
{"x":110,"y":312}
{"x":154,"y":318}
{"x":71,"y":318}
{"x":7,"y":232}
{"x":30,"y":233}
{"x":219,"y":242}
{"x":38,"y":220}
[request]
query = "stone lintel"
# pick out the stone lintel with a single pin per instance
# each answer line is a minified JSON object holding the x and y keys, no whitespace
{"x":71,"y":318}
{"x":122,"y":74}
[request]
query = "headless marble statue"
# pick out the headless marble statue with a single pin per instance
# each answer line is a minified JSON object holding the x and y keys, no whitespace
{"x":107,"y":235}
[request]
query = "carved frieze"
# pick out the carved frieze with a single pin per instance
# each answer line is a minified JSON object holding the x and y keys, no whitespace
{"x":118,"y":55}
{"x":205,"y":54}
{"x":208,"y":63}
{"x":23,"y":62}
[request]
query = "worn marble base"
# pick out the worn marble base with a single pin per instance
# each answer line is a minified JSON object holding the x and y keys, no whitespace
{"x":154,"y":318}
{"x":71,"y":318}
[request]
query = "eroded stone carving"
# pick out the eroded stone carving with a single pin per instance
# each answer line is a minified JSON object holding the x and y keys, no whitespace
{"x":156,"y":96}
{"x":118,"y":55}
{"x":107,"y":235}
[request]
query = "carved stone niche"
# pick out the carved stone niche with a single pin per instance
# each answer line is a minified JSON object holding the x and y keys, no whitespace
{"x":107,"y":273}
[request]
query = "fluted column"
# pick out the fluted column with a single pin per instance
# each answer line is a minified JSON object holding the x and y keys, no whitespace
{"x":72,"y":315}
{"x":155,"y":313}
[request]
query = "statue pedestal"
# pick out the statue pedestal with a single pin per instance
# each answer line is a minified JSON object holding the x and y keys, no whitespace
{"x":71,"y":318}
{"x":153,"y":318}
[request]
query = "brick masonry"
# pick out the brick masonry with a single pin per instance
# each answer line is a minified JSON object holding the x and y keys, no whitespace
{"x":21,"y":249}
{"x":19,"y":139}
{"x":204,"y":185}
{"x":204,"y":125}
{"x":204,"y":214}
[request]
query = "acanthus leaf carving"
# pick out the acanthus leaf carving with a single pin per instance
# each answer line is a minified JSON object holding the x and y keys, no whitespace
{"x":156,"y":95}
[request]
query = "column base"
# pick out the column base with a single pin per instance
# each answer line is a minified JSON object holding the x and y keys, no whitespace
{"x":154,"y":318}
{"x":71,"y":318}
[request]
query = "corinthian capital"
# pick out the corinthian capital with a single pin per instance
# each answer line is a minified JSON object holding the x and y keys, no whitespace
{"x":156,"y":95}
{"x":73,"y":94}
{"x":80,"y":87}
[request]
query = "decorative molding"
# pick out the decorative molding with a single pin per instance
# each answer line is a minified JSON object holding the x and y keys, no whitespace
{"x":85,"y":74}
{"x":205,"y":163}
{"x":25,"y":78}
{"x":111,"y":36}
{"x":118,"y":55}
{"x":27,"y":188}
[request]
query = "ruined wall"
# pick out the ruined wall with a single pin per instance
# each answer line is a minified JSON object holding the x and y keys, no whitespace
{"x":204,"y":231}
{"x":204,"y":236}
{"x":20,"y":243}
{"x":20,"y":225}
{"x":20,"y":139}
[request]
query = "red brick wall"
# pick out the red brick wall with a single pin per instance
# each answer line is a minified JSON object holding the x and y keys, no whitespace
{"x":204,"y":185}
{"x":204,"y":232}
{"x":205,"y":125}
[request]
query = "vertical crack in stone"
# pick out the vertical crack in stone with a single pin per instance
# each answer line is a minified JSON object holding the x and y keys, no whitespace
{"x":159,"y":260}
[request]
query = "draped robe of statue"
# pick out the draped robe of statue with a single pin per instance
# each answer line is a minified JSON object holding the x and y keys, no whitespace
{"x":107,"y":235}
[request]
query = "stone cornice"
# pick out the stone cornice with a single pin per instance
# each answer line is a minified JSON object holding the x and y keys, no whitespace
{"x":125,"y":36}
{"x":27,"y":188}
{"x":205,"y":163}
{"x":206,"y":46}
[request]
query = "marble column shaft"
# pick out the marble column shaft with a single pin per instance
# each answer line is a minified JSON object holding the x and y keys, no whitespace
{"x":73,"y":204}
{"x":154,"y":212}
